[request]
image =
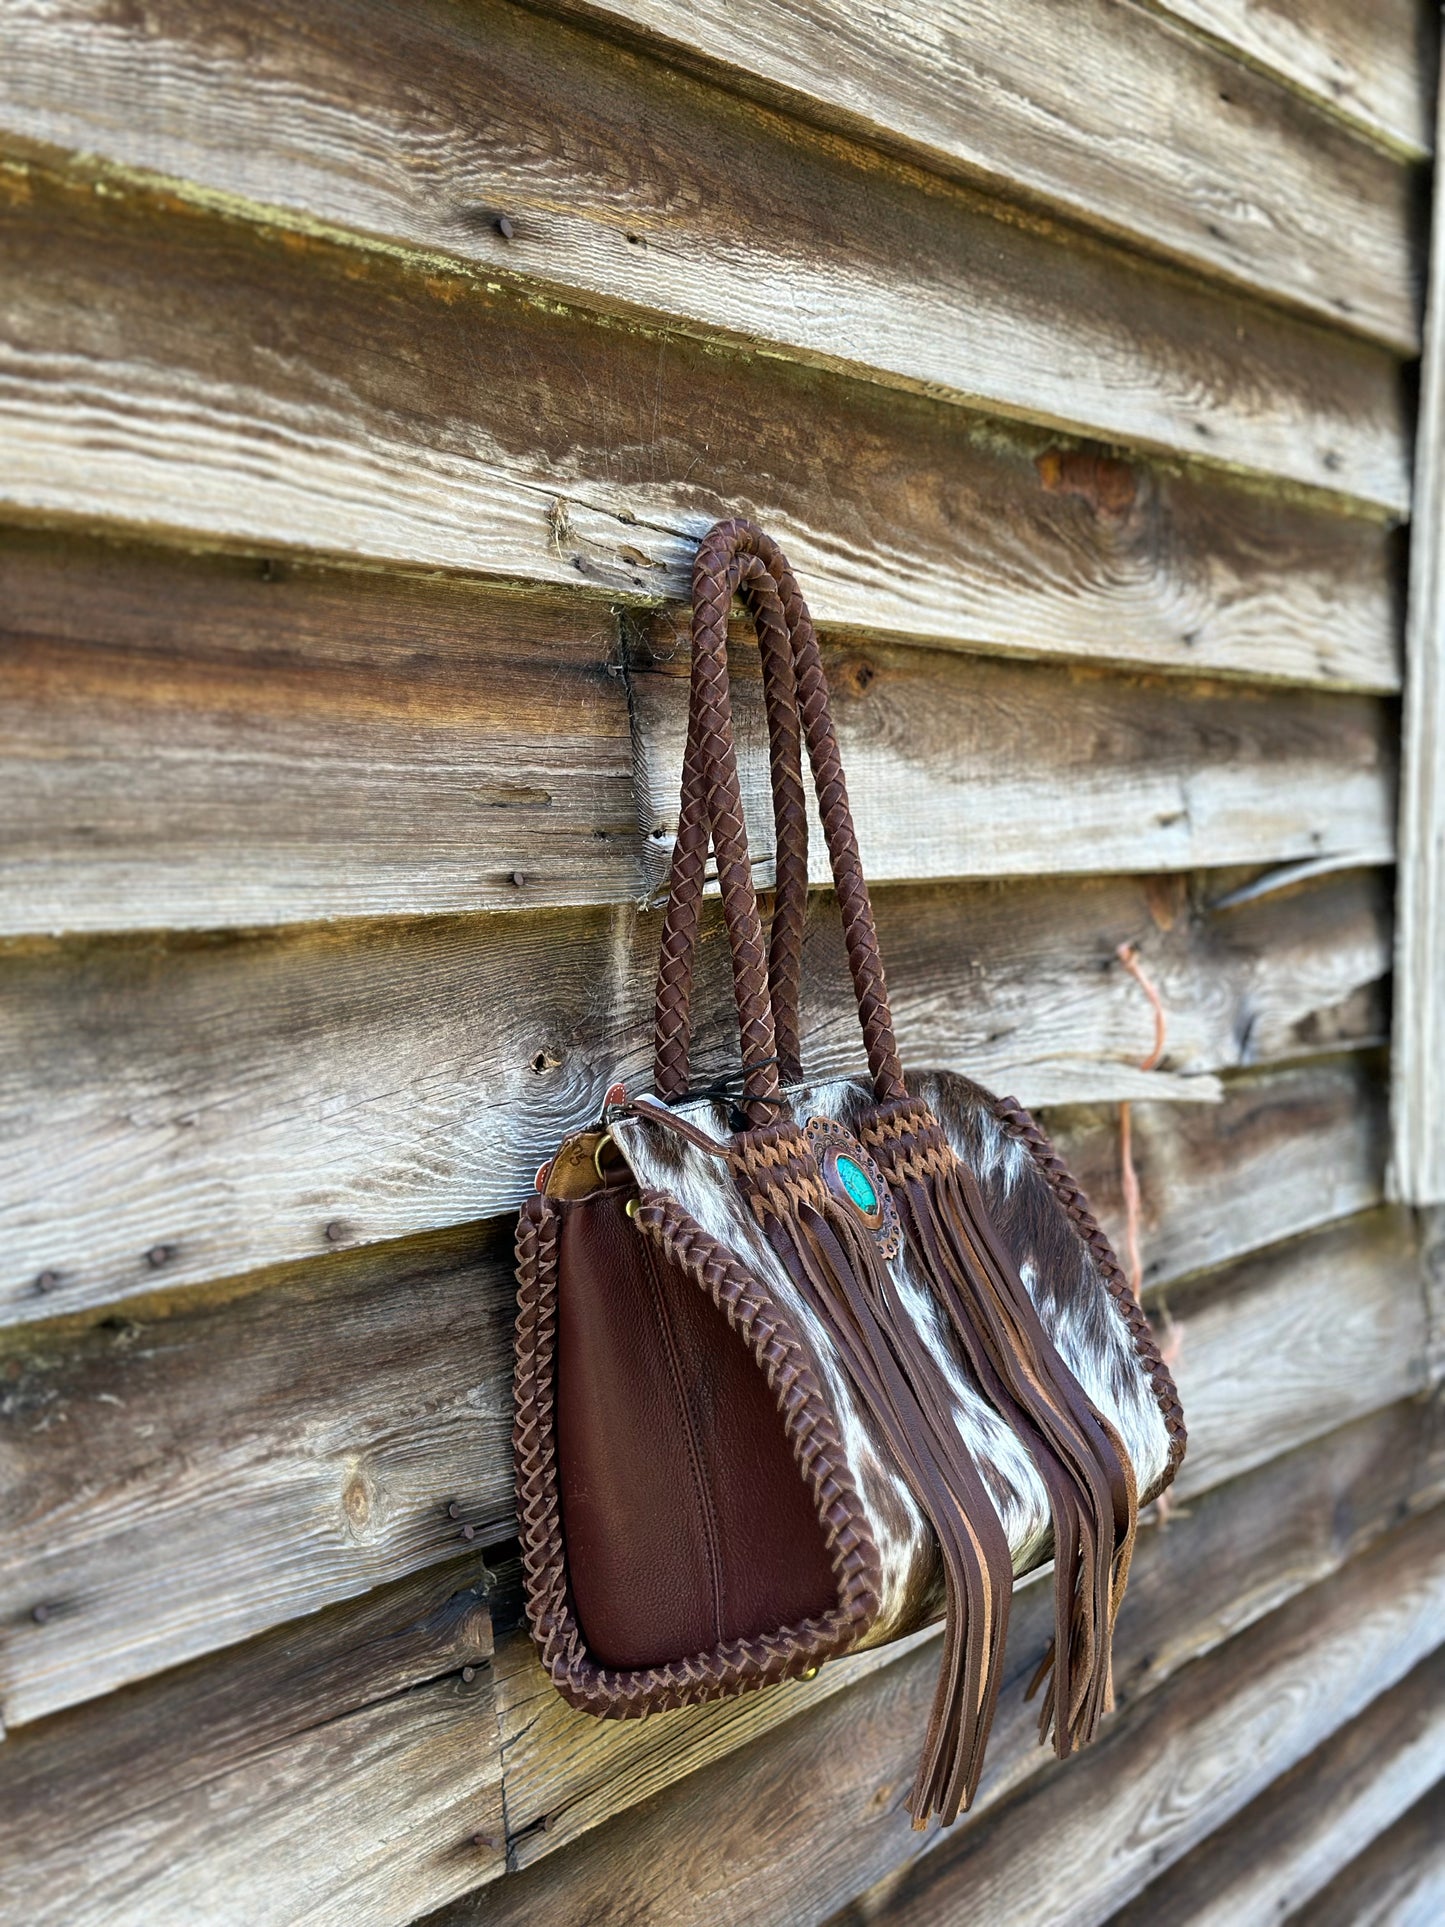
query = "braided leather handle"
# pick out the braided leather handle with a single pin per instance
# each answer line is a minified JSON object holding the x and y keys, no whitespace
{"x":731,"y":554}
{"x":759,"y":592}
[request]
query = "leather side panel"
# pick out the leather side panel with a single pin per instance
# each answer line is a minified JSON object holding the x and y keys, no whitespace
{"x":686,"y":1519}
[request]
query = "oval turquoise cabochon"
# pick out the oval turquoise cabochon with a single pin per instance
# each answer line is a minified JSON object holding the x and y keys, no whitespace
{"x":857,"y":1184}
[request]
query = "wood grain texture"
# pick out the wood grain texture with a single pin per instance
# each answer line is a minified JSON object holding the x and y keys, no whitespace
{"x":337,"y":1770}
{"x":195,"y":742}
{"x":798,"y":1822}
{"x":1287,"y":1151}
{"x":1118,"y":120}
{"x":913,"y":520}
{"x":1370,"y":66}
{"x":192,"y":743}
{"x":1419,"y":1023}
{"x":181,"y":1109}
{"x":1184,"y":1762}
{"x":183,"y":1475}
{"x":1399,"y":1882}
{"x":301,"y":1437}
{"x":271,"y":384}
{"x":576,"y":1772}
{"x":1272,"y":1858}
{"x":967,"y":767}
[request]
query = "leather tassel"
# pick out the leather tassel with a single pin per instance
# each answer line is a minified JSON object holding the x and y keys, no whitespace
{"x":837,"y":1262}
{"x":1084,"y":1468}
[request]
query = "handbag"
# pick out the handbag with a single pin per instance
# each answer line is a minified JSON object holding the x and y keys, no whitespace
{"x":802,"y":1368}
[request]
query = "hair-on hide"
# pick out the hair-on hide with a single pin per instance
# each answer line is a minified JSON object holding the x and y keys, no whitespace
{"x":1056,"y":1266}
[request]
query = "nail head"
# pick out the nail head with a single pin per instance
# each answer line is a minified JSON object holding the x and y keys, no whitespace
{"x":40,"y":1614}
{"x":335,"y":1231}
{"x":504,"y":227}
{"x":469,"y":1673}
{"x":469,"y":1532}
{"x":159,"y":1255}
{"x":47,"y":1281}
{"x":454,"y":1511}
{"x":518,"y":878}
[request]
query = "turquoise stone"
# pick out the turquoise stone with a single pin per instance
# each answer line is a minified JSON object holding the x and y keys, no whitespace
{"x":857,"y":1184}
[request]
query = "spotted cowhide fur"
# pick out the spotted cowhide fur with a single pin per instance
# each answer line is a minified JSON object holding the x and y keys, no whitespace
{"x":1057,"y":1267}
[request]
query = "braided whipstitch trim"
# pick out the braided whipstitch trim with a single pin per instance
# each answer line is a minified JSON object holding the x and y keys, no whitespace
{"x":811,"y":1432}
{"x":1019,"y":1124}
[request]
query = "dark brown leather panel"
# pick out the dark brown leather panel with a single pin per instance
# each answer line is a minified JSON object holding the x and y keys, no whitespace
{"x":687,"y":1520}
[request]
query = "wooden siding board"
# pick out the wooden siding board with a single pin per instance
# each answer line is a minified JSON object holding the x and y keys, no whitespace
{"x":171,"y":367}
{"x":1373,"y":66}
{"x":1184,"y":1762}
{"x":145,"y":1763}
{"x":968,"y":768}
{"x":202,"y":742}
{"x":997,"y":541}
{"x":1287,"y":1151}
{"x":180,"y":1478}
{"x":1117,"y":119}
{"x":335,"y":1770}
{"x":190,"y":743}
{"x":183,"y":1109}
{"x":1271,"y":1860}
{"x":1419,"y":1095}
{"x":1399,"y":1882}
{"x":805,"y":1817}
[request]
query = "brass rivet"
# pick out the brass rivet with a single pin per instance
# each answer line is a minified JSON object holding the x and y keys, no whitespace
{"x":811,"y":1673}
{"x":632,"y":1207}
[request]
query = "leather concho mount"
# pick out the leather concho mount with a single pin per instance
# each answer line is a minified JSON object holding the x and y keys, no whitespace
{"x":806,"y":1369}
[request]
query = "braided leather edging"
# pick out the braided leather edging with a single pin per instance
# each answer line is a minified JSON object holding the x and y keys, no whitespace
{"x":762,"y":1325}
{"x":1020,"y":1125}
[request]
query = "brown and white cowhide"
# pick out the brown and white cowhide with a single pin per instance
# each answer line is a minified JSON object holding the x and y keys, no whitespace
{"x":1056,"y":1266}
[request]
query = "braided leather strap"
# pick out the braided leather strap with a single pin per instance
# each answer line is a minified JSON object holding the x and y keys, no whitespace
{"x":728,"y":556}
{"x":759,"y":592}
{"x":1020,"y":1124}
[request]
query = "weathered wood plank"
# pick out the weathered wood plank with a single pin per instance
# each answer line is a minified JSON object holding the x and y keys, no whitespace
{"x":1184,"y":1762}
{"x":969,"y":768}
{"x":183,"y":1109}
{"x":1399,"y":1882}
{"x":998,"y":540}
{"x":574,"y":1772}
{"x":175,"y":367}
{"x":1287,"y":1151}
{"x":809,"y":1815}
{"x":342,"y":1769}
{"x":1371,"y":66}
{"x":196,"y":742}
{"x":303,"y":1441}
{"x":1419,"y":1023}
{"x":1256,"y":1370}
{"x":193,"y":742}
{"x":1271,"y":1860}
{"x":1143,"y":130}
{"x":181,"y":1476}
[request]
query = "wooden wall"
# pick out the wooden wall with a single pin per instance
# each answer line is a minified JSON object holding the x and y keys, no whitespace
{"x":366,"y":374}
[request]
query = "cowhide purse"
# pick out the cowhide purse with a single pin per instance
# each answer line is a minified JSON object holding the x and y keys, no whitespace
{"x":802,"y":1372}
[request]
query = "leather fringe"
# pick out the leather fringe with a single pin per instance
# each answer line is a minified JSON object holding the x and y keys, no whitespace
{"x":1086,"y":1472}
{"x":836,"y":1261}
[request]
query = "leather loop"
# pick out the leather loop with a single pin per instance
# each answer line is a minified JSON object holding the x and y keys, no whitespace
{"x":739,"y":556}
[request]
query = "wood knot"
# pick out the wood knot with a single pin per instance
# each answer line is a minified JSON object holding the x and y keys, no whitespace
{"x":356,"y":1501}
{"x":1108,"y":485}
{"x":854,"y":676}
